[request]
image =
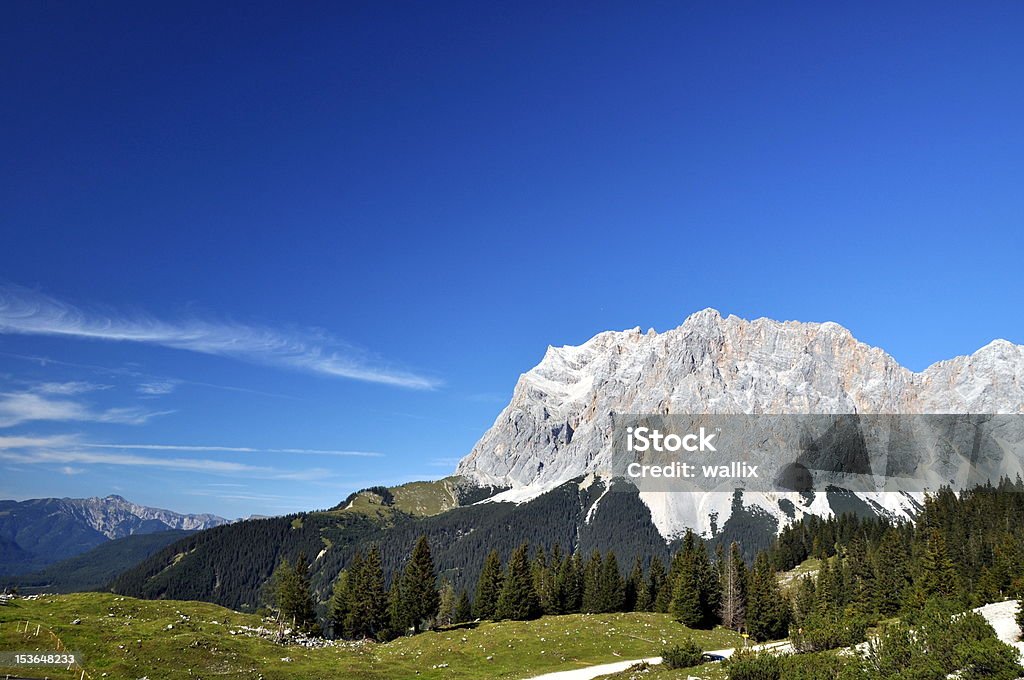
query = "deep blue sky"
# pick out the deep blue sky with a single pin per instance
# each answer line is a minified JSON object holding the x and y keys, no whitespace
{"x":441,"y":190}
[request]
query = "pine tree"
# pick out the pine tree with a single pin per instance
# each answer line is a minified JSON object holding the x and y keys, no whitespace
{"x":612,"y":588}
{"x":397,"y":621}
{"x":545,"y":582}
{"x":696,"y":591}
{"x":284,"y":591}
{"x":368,"y":609}
{"x":659,"y":594}
{"x":352,"y":626}
{"x":518,"y":600}
{"x":860,"y":574}
{"x":936,"y":573}
{"x":488,"y":587}
{"x":419,"y":587}
{"x":805,"y":602}
{"x":637,"y":597}
{"x":463,"y":609}
{"x":709,"y":585}
{"x":447,"y":604}
{"x":892,"y":574}
{"x":768,"y":610}
{"x":304,"y":614}
{"x":685,"y":605}
{"x":338,"y":607}
{"x":829,"y":586}
{"x":294,"y":597}
{"x":592,"y":603}
{"x":568,"y":585}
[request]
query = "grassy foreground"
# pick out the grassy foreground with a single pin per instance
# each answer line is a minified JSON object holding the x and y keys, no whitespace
{"x":124,"y":638}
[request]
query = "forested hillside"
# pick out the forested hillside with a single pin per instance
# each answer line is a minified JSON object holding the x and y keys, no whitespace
{"x":96,"y":568}
{"x":230,"y":565}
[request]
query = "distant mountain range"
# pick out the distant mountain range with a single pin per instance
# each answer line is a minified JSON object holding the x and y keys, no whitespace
{"x":39,"y":532}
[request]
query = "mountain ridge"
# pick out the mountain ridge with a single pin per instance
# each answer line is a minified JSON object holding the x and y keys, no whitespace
{"x":47,"y":530}
{"x":557,"y":425}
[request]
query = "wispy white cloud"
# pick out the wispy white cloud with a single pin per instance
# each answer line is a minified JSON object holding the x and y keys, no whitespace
{"x":16,"y":442}
{"x":40,"y":457}
{"x":28,"y":312}
{"x":24,"y":407}
{"x":232,"y":449}
{"x":70,"y":453}
{"x":67,"y":389}
{"x":157,"y":388}
{"x":45,"y":361}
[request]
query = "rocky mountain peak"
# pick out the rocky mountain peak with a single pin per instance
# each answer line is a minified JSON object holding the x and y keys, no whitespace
{"x":558,"y":424}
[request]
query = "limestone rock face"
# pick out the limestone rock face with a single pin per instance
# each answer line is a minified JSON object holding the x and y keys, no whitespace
{"x":558,"y":425}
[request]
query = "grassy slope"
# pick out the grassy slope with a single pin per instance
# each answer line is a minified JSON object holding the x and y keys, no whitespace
{"x":790,"y":579}
{"x":419,"y":499}
{"x":127,"y":638}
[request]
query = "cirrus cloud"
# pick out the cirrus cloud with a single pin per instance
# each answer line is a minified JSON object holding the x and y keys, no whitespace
{"x":28,"y":312}
{"x":24,"y":407}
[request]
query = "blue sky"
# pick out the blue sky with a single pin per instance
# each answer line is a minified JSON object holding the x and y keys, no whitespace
{"x":307,"y":234}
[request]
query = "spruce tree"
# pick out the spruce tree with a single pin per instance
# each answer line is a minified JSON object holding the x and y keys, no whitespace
{"x":860,"y":588}
{"x":936,"y":573}
{"x":709,"y":585}
{"x":419,"y":587}
{"x":805,"y":602}
{"x":294,"y":597}
{"x":352,"y":626}
{"x":696,"y":591}
{"x":368,"y":609}
{"x":592,"y":602}
{"x":518,"y":600}
{"x":656,"y":586}
{"x":828,"y":586}
{"x":397,"y":621}
{"x":284,"y":591}
{"x":488,"y":587}
{"x":685,"y":605}
{"x":304,"y":614}
{"x":463,"y":609}
{"x":568,"y":585}
{"x":446,"y":604}
{"x":637,"y":596}
{"x":338,"y":607}
{"x":768,"y":610}
{"x":613,"y":588}
{"x":892,"y":574}
{"x":545,"y":582}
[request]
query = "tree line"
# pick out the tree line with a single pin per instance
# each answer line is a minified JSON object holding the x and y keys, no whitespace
{"x":965,"y":549}
{"x":697,"y":588}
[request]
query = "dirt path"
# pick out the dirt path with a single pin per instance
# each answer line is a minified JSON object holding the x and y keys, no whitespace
{"x":591,"y":672}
